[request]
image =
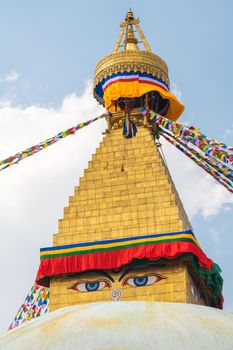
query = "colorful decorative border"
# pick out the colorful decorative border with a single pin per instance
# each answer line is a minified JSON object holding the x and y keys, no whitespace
{"x":129,"y":77}
{"x":116,"y":244}
{"x":111,"y":254}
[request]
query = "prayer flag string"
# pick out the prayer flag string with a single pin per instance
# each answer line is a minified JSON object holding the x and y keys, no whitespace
{"x":129,"y":128}
{"x":36,"y":304}
{"x":210,"y":147}
{"x":223,"y":170}
{"x":214,"y":173}
{"x":214,"y":157}
{"x":15,"y":159}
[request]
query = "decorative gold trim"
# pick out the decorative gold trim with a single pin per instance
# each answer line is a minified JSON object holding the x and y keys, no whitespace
{"x":140,"y":32}
{"x":127,"y":61}
{"x":116,"y":119}
{"x":116,"y":48}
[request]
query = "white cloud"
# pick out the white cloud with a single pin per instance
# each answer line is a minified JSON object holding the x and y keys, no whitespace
{"x":217,"y":233}
{"x":5,"y":103}
{"x":229,"y":132}
{"x":10,"y":77}
{"x":227,"y":209}
{"x":175,"y":90}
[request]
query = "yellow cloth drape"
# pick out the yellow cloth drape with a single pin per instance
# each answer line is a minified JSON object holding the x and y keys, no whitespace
{"x":133,"y":89}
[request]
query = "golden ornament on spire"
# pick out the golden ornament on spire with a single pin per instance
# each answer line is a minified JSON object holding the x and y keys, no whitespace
{"x":132,"y":73}
{"x":130,"y":40}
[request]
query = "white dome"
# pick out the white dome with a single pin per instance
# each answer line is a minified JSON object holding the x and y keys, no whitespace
{"x":125,"y":325}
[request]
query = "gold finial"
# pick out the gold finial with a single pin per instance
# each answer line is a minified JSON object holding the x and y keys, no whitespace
{"x":129,"y":15}
{"x":128,"y":27}
{"x":130,"y":36}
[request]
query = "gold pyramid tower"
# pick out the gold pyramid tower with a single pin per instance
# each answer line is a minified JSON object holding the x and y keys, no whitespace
{"x":126,"y":191}
{"x":127,"y":197}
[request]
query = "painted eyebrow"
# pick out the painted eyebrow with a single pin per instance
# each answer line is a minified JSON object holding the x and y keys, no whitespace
{"x":103,"y":273}
{"x":133,"y":269}
{"x":123,"y":274}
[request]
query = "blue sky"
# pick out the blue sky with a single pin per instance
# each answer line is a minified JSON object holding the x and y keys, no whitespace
{"x":48,"y":53}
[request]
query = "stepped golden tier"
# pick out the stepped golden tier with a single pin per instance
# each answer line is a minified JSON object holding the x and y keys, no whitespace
{"x":125,"y":234}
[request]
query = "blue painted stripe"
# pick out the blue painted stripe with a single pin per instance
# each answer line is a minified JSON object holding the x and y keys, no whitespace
{"x":128,"y":239}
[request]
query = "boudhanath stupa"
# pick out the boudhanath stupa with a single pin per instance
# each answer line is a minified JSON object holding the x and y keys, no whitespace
{"x":126,"y":270}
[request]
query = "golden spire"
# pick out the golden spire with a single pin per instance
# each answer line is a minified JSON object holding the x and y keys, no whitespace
{"x":128,"y":58}
{"x":130,"y":40}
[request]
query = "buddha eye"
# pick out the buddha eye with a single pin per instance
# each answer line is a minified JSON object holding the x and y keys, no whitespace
{"x":141,"y":281}
{"x":92,"y":286}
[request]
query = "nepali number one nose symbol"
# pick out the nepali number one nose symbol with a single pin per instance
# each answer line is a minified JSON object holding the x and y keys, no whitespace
{"x":116,"y":295}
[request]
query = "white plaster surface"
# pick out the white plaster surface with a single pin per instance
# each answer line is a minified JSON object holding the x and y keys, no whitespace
{"x":125,"y":325}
